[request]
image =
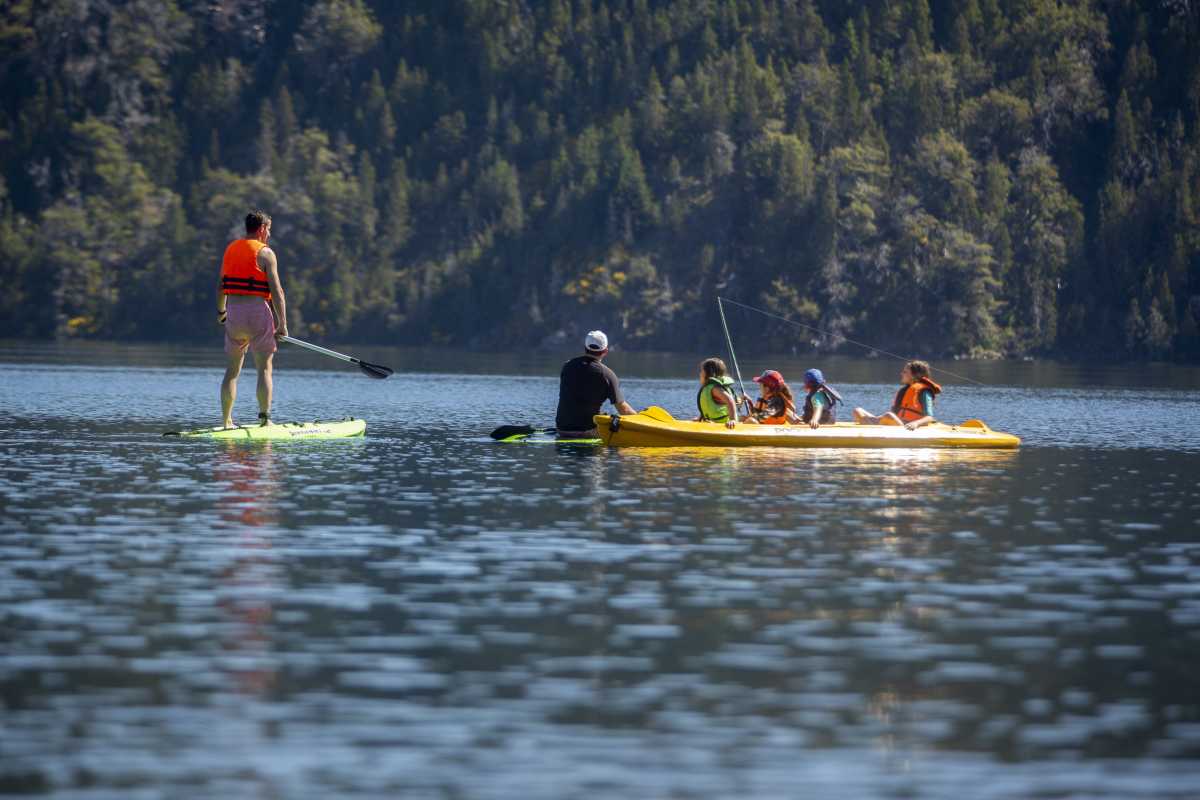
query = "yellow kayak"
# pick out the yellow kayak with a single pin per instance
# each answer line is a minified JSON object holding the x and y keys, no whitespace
{"x":654,"y":427}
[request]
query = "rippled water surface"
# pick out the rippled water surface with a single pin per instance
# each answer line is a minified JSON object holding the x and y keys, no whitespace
{"x":426,"y":613}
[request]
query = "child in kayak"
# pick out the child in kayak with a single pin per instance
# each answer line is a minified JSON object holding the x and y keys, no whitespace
{"x":715,"y":398}
{"x":820,"y":401}
{"x":776,"y":406}
{"x":913,"y":406}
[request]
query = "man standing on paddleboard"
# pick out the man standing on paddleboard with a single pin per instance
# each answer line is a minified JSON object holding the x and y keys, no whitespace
{"x":583,"y":387}
{"x":251,"y":306}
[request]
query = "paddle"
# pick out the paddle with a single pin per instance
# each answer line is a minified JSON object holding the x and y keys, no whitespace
{"x":370,"y":370}
{"x":516,"y":431}
{"x":520,"y":431}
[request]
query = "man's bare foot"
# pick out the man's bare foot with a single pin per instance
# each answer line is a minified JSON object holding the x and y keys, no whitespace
{"x":229,"y":423}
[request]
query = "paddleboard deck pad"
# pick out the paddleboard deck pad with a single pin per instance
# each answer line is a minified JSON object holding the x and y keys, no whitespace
{"x":317,"y":429}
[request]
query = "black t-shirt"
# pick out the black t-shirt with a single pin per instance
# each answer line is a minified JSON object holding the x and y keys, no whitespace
{"x":583,"y":387}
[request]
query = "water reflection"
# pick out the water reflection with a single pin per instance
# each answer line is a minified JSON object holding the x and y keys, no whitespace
{"x":248,"y":487}
{"x":889,"y":486}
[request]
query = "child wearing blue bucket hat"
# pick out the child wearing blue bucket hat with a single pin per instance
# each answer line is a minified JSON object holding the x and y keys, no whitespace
{"x":820,"y":400}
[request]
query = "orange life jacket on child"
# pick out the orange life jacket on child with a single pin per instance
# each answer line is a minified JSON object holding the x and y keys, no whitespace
{"x":907,"y":405}
{"x":774,"y":411}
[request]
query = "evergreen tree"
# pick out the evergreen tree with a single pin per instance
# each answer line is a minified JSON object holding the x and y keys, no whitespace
{"x":1023,"y":173}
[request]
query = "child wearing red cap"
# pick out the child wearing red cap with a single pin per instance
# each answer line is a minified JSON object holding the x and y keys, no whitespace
{"x":776,"y":406}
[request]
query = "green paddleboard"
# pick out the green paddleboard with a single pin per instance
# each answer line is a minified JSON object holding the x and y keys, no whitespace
{"x":318,"y":429}
{"x":546,"y":439}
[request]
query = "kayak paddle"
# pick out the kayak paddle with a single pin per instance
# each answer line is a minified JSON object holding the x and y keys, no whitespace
{"x":370,"y":370}
{"x":519,"y":431}
{"x":508,"y":432}
{"x":514,"y":431}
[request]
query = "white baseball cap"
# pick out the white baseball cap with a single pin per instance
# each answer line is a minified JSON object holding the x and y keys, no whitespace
{"x":596,"y":341}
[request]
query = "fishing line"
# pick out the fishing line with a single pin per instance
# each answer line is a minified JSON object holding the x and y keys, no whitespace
{"x":729,"y":341}
{"x":825,"y":333}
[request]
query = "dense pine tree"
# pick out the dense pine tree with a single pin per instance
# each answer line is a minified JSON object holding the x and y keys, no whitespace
{"x":979,"y":177}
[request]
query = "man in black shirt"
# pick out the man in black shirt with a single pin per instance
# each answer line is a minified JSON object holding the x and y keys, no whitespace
{"x":583,"y":387}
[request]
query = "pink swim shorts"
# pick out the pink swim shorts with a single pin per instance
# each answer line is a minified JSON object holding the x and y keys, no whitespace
{"x":249,"y":325}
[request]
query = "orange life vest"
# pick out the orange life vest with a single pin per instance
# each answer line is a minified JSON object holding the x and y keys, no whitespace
{"x":907,"y":405}
{"x":240,"y":273}
{"x":773,"y":411}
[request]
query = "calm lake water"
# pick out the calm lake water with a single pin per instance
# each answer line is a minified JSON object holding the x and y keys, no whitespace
{"x":426,"y":613}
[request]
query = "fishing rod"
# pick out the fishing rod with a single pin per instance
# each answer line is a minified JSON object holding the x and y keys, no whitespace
{"x":729,"y":341}
{"x":827,"y":333}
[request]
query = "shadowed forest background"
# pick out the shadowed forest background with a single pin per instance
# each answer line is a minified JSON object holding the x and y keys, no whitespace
{"x":950,"y":177}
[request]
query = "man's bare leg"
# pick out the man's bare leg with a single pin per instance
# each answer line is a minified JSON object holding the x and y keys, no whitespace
{"x":233,"y":368}
{"x":263,"y":362}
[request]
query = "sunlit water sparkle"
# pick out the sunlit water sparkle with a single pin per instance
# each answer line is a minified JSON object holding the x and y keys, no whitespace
{"x":426,"y":613}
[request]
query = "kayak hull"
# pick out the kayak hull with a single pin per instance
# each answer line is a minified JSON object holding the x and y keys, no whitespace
{"x":659,"y":430}
{"x":317,"y":429}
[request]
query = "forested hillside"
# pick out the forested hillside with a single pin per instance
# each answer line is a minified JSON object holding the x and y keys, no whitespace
{"x":976,"y":177}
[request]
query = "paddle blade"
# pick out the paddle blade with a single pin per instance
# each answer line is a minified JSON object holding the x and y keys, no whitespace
{"x":377,"y":371}
{"x":508,"y":431}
